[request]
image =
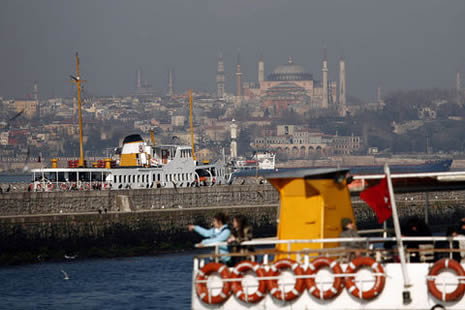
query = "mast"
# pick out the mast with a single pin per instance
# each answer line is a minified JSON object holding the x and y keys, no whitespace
{"x":77,"y":80}
{"x":192,"y":124}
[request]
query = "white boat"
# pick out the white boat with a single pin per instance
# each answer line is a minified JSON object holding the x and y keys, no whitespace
{"x":305,"y":268}
{"x":259,"y":160}
{"x":138,"y":165}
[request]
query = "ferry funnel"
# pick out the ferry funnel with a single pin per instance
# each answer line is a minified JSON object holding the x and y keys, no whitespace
{"x":313,"y":202}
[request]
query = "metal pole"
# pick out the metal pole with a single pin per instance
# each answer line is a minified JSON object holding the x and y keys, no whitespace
{"x":395,"y":217}
{"x":426,"y":208}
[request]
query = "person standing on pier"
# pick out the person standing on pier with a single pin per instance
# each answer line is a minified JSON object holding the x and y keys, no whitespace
{"x":219,"y":233}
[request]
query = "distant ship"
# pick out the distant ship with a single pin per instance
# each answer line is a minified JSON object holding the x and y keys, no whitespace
{"x":429,"y":166}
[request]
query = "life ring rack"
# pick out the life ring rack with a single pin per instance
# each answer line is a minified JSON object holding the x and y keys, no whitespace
{"x":439,"y":266}
{"x":380,"y":278}
{"x":237,"y":288}
{"x":201,"y":283}
{"x":338,"y":283}
{"x":273,"y":286}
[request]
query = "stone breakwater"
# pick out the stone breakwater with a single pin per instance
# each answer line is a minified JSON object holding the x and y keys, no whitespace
{"x":23,"y":203}
{"x":33,"y":238}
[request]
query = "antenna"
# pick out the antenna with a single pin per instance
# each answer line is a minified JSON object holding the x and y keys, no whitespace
{"x":192,"y":124}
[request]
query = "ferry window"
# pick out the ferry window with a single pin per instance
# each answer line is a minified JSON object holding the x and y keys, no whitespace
{"x":153,"y":177}
{"x":166,"y":178}
{"x":138,"y":178}
{"x":114,"y":179}
{"x":124,"y":179}
{"x":143,"y":178}
{"x":159,"y":178}
{"x":61,"y":177}
{"x":119,"y":179}
{"x":96,"y":176}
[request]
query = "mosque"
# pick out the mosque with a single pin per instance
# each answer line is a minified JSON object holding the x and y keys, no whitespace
{"x":290,"y":86}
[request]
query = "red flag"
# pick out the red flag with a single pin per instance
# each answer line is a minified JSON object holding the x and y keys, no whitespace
{"x":377,"y":197}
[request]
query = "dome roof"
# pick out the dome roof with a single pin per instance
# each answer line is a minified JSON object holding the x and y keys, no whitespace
{"x":289,"y":72}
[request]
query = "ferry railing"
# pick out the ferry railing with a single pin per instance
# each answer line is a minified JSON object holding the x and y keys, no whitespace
{"x":367,"y":240}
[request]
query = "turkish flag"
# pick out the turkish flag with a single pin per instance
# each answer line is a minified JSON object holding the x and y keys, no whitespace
{"x":377,"y":197}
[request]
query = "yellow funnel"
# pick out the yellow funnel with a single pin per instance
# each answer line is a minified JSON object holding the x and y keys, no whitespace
{"x":313,"y":202}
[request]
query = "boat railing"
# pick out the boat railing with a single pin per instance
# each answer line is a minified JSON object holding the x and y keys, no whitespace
{"x":374,"y":246}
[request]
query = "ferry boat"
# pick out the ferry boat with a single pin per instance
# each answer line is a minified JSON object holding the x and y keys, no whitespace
{"x":305,"y":268}
{"x":138,"y":165}
{"x":260,"y":160}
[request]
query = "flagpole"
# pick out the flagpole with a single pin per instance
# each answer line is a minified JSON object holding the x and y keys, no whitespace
{"x":400,"y":245}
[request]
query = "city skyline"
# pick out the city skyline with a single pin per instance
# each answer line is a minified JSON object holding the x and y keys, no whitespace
{"x":393,"y":44}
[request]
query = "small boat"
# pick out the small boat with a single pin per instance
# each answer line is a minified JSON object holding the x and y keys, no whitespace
{"x":305,"y":267}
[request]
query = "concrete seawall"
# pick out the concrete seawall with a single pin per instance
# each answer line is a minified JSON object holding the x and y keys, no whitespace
{"x":22,"y":203}
{"x":137,"y":222}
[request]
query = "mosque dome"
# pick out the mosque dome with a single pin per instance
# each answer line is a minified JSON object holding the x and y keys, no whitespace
{"x":289,"y":72}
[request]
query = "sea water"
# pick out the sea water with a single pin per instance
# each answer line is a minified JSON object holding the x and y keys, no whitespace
{"x":157,"y":282}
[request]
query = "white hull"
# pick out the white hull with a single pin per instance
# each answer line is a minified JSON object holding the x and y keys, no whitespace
{"x":389,"y":299}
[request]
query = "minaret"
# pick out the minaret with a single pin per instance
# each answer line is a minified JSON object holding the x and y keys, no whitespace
{"x":138,"y":78}
{"x":324,"y":70}
{"x":342,"y":88}
{"x":458,"y":87}
{"x":36,"y":97}
{"x":171,"y":83}
{"x":220,"y":78}
{"x":261,"y":70}
{"x":233,"y":139}
{"x":378,"y":95}
{"x":238,"y":77}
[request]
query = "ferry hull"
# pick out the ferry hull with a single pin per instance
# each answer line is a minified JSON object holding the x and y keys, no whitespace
{"x":391,"y":298}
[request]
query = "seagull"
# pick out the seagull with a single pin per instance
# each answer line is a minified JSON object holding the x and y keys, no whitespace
{"x":70,"y":257}
{"x":65,"y":274}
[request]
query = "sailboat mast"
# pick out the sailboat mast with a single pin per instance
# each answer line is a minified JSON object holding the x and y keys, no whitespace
{"x":78,"y":83}
{"x":192,"y":124}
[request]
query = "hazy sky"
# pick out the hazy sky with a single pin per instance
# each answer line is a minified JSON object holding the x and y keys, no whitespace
{"x":395,"y":44}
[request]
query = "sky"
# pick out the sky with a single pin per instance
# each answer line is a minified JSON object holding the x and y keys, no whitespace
{"x":394,"y":44}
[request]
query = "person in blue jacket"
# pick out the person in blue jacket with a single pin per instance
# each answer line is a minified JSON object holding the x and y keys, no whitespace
{"x":219,"y":233}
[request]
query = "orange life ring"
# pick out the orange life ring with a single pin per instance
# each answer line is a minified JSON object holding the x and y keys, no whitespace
{"x":31,"y":187}
{"x":237,"y":288}
{"x":50,"y":186}
{"x":64,"y":186}
{"x":85,"y":187}
{"x":106,"y":185}
{"x":38,"y":186}
{"x":299,"y":285}
{"x":201,"y":288}
{"x":380,"y":280}
{"x":314,"y":267}
{"x":446,"y":263}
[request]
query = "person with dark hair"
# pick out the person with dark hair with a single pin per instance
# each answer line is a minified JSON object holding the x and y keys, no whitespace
{"x":241,"y":232}
{"x":219,"y":233}
{"x":349,"y":231}
{"x":416,"y":228}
